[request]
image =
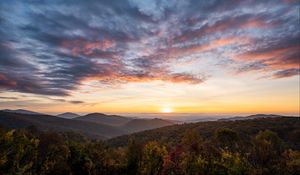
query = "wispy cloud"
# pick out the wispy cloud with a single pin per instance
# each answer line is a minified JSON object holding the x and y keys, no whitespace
{"x":52,"y":47}
{"x":9,"y":98}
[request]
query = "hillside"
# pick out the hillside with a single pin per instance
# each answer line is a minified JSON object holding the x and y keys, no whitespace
{"x":137,"y":125}
{"x":256,"y":116}
{"x":130,"y":125}
{"x":104,"y":119}
{"x":286,"y":127}
{"x":68,"y":115}
{"x":95,"y":125}
{"x":257,"y":146}
{"x":47,"y":122}
{"x":21,"y":111}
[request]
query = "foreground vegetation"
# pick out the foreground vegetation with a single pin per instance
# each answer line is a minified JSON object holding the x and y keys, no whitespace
{"x":225,"y":150}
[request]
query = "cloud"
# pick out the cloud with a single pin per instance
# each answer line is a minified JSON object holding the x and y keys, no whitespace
{"x":211,"y":45}
{"x":281,"y":56}
{"x":232,"y":23}
{"x":9,"y":58}
{"x":286,"y":73}
{"x":27,"y":84}
{"x":52,"y":48}
{"x":9,"y":98}
{"x":86,"y":48}
{"x":76,"y":102}
{"x":60,"y":100}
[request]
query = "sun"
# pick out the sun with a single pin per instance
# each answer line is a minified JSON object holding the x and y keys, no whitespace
{"x":166,"y":110}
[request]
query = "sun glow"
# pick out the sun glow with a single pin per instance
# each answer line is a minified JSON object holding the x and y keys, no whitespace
{"x":166,"y":110}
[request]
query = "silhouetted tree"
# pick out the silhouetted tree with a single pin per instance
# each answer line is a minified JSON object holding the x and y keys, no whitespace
{"x":227,"y":138}
{"x":134,"y":154}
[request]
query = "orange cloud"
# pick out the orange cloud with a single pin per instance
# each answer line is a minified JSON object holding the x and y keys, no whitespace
{"x":267,"y":54}
{"x":291,"y":63}
{"x":281,"y":57}
{"x":256,"y":23}
{"x":87,"y":48}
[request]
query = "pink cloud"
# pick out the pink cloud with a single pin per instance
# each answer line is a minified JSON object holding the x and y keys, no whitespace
{"x":87,"y":48}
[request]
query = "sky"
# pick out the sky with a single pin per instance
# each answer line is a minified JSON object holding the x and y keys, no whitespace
{"x":150,"y":56}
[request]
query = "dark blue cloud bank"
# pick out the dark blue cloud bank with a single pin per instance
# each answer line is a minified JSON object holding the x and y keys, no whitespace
{"x":51,"y":47}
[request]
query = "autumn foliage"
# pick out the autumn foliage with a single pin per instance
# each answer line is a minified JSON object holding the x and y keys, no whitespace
{"x":33,"y":152}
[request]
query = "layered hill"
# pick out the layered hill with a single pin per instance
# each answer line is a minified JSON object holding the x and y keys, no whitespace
{"x":68,"y":115}
{"x":256,"y":116}
{"x":286,"y":127}
{"x":21,"y":111}
{"x":101,"y":118}
{"x":136,"y":125}
{"x":95,"y":125}
{"x":47,"y":122}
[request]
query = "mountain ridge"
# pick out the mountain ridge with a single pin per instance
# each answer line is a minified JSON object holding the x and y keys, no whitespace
{"x":102,"y":118}
{"x":146,"y":124}
{"x":48,"y":122}
{"x":208,"y":128}
{"x":97,"y":125}
{"x":254,"y":116}
{"x":21,"y":111}
{"x":112,"y":126}
{"x":68,"y":115}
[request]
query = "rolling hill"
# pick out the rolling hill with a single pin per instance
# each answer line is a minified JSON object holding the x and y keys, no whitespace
{"x":47,"y":122}
{"x":137,"y":125}
{"x":68,"y":115}
{"x":95,"y":125}
{"x":21,"y":111}
{"x":286,"y":127}
{"x":98,"y":125}
{"x":100,"y":118}
{"x":127,"y":124}
{"x":256,"y":116}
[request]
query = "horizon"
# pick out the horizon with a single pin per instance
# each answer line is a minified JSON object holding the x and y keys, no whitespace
{"x":170,"y":116}
{"x":151,"y":57}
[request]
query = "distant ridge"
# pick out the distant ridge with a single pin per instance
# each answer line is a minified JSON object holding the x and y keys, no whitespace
{"x":68,"y":115}
{"x":97,"y":125}
{"x":256,"y":116}
{"x":94,"y":125}
{"x":137,"y":125}
{"x":47,"y":122}
{"x":126,"y":123}
{"x":21,"y":111}
{"x":101,"y":118}
{"x":174,"y":133}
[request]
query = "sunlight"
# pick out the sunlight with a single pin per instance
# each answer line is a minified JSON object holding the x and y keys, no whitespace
{"x":166,"y":110}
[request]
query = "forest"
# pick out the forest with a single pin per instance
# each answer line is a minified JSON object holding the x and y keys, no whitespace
{"x":254,"y":147}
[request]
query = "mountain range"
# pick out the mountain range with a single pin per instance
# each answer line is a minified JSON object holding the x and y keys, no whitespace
{"x":68,"y":115}
{"x":101,"y":118}
{"x":21,"y":111}
{"x":256,"y":116}
{"x":287,"y":128}
{"x":94,"y":125}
